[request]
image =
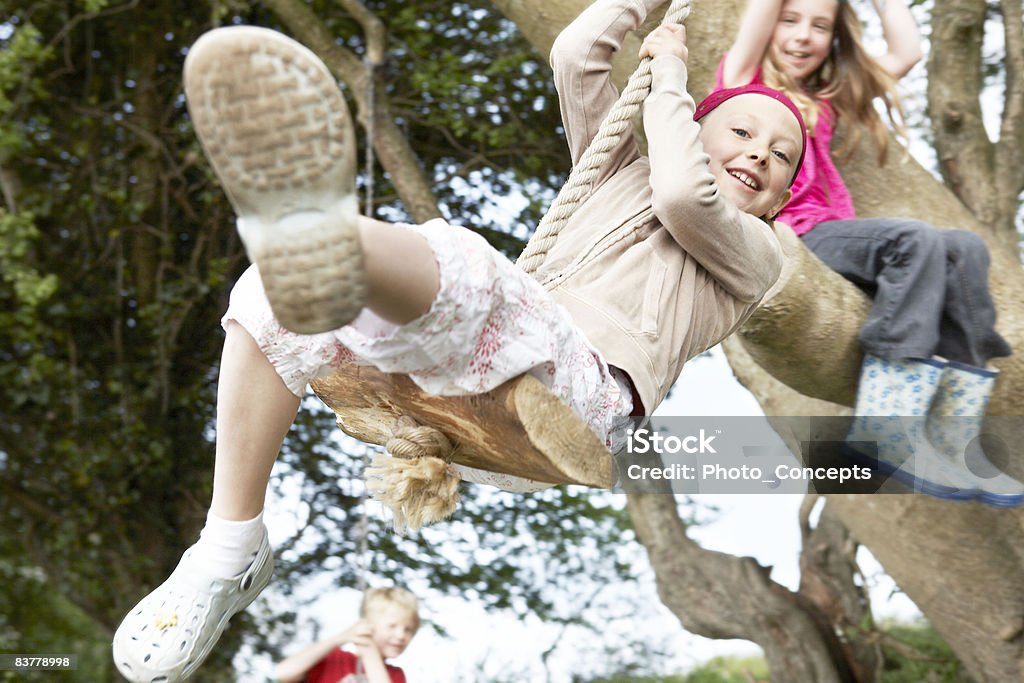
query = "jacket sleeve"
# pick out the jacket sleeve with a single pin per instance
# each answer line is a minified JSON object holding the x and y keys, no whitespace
{"x":581,"y":59}
{"x":738,"y":250}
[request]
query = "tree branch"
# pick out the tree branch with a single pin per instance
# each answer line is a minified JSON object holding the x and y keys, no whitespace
{"x":25,"y":502}
{"x":722,"y":596}
{"x":390,"y":144}
{"x":8,"y":185}
{"x":828,"y":579}
{"x":904,"y":537}
{"x":373,"y":28}
{"x":966,"y":156}
{"x":1010,"y":151}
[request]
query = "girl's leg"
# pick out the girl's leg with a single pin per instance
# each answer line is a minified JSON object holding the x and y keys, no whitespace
{"x":255,"y":409}
{"x":402,"y":275}
{"x":902,"y":264}
{"x":292,"y":187}
{"x":967,"y":332}
{"x":254,"y":412}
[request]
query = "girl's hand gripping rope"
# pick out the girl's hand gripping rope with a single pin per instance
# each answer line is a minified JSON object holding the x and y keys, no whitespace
{"x":667,"y":39}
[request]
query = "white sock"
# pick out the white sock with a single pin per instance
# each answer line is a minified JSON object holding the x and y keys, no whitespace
{"x":226,"y":548}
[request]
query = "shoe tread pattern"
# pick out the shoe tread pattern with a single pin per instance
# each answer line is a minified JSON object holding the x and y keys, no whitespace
{"x":278,"y":134}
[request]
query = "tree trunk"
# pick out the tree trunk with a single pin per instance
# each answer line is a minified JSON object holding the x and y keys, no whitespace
{"x":718,"y":595}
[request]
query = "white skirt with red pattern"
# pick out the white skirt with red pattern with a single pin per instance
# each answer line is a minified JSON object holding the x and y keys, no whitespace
{"x":489,"y":323}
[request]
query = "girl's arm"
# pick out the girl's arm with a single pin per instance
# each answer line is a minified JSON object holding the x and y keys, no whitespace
{"x":581,"y":59}
{"x":902,"y":38}
{"x":736,"y":249}
{"x":747,"y":51}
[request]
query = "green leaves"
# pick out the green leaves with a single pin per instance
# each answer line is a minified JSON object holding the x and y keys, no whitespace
{"x":117,"y":254}
{"x":29,"y":288}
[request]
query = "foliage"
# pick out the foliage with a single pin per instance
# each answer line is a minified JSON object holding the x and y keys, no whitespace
{"x":26,"y":592}
{"x":478,"y":104}
{"x":715,"y":670}
{"x":117,"y":252}
{"x":630,"y":678}
{"x":914,"y":653}
{"x":729,"y":670}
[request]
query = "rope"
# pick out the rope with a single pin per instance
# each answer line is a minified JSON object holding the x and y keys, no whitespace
{"x":411,"y":441}
{"x":578,"y":186}
{"x":417,"y":480}
{"x":371,"y":119}
{"x":363,"y":568}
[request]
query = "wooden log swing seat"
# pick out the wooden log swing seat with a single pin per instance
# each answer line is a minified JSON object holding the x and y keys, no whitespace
{"x":520,"y":428}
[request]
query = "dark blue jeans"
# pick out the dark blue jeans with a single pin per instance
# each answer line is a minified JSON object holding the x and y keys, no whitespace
{"x":930,"y":287}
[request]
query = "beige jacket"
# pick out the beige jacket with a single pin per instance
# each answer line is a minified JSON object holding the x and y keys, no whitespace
{"x":655,"y":295}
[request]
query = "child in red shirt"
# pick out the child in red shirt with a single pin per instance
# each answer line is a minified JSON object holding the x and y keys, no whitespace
{"x":389,"y":618}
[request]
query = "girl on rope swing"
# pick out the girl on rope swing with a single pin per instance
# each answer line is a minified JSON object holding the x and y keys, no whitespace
{"x":931,"y":330}
{"x":435,"y":301}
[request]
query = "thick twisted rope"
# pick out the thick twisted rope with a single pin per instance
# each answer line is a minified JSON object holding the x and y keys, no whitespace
{"x":416,"y":480}
{"x":580,"y":182}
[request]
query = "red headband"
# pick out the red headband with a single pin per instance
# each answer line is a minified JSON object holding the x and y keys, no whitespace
{"x":709,"y":103}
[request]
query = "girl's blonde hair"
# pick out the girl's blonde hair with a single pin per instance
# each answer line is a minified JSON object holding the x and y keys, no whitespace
{"x":850,"y":79}
{"x":375,"y":598}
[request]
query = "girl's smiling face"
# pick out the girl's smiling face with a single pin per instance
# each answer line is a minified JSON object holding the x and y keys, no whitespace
{"x":802,"y":38}
{"x":754,"y":143}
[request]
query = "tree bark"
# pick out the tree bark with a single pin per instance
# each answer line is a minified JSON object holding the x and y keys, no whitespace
{"x":723,"y":596}
{"x":828,"y":579}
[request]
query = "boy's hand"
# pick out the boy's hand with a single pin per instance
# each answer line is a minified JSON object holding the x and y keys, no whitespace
{"x":356,"y":634}
{"x":667,"y":39}
{"x":364,"y":644}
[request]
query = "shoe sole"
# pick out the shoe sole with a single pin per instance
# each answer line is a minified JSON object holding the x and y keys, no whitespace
{"x":1000,"y":500}
{"x":918,"y":484}
{"x":276,"y":129}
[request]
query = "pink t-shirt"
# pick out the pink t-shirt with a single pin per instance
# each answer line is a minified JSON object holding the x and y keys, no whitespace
{"x":819,"y":193}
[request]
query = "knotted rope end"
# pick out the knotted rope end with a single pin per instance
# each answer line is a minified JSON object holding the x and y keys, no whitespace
{"x":416,"y":481}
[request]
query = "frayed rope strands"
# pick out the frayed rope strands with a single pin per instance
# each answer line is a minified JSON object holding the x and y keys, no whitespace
{"x":416,"y":481}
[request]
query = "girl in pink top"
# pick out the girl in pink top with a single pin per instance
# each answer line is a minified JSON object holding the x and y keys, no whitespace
{"x":931,"y":329}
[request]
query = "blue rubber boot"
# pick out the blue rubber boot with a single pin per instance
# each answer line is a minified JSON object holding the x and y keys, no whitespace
{"x":888,"y":433}
{"x":954,"y":425}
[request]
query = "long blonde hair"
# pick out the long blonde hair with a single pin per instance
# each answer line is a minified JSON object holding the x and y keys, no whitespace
{"x":849,"y":79}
